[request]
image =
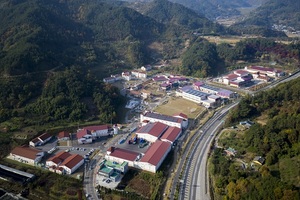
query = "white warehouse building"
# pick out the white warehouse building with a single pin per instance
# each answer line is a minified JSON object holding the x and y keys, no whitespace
{"x":165,"y":119}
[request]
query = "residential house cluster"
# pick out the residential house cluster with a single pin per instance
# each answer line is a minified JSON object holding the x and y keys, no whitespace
{"x":169,"y":82}
{"x":62,"y":163}
{"x":129,"y":75}
{"x":244,"y":77}
{"x":28,"y":154}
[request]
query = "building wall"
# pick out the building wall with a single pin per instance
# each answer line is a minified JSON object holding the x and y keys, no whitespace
{"x":151,"y":168}
{"x":50,"y":163}
{"x":147,"y":167}
{"x":70,"y":171}
{"x":191,"y":97}
{"x":147,"y":137}
{"x":176,"y":124}
{"x":100,"y":133}
{"x":119,"y":160}
{"x":22,"y":159}
{"x":34,"y":144}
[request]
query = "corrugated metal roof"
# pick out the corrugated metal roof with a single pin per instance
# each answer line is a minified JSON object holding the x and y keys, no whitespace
{"x":26,"y":152}
{"x":156,"y":129}
{"x":156,"y":152}
{"x":82,"y":133}
{"x":124,"y":154}
{"x":96,"y":128}
{"x":171,"y":134}
{"x":45,"y":136}
{"x":72,"y":161}
{"x":162,"y":117}
{"x":196,"y":93}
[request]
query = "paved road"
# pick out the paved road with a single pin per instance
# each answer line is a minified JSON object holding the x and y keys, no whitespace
{"x":195,"y":182}
{"x":90,"y":178}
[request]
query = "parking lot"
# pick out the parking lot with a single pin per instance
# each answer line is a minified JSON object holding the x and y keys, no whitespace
{"x":132,"y":147}
{"x":106,"y":182}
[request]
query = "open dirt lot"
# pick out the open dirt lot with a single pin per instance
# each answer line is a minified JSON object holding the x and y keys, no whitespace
{"x":177,"y":105}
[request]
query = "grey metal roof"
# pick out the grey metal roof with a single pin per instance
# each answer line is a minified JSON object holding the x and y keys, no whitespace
{"x":162,"y":117}
{"x":196,"y":93}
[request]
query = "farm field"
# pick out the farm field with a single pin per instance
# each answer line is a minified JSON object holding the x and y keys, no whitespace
{"x":178,"y":105}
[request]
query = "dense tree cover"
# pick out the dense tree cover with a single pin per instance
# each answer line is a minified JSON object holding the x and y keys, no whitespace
{"x":278,"y":140}
{"x":204,"y":59}
{"x":201,"y":59}
{"x":257,"y":30}
{"x":41,"y":35}
{"x":171,"y":13}
{"x":64,"y":93}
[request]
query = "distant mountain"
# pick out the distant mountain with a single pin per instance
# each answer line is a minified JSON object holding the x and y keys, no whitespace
{"x":166,"y":12}
{"x":213,"y":9}
{"x":274,"y":12}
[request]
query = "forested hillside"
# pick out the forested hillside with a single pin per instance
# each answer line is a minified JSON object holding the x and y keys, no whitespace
{"x":177,"y":15}
{"x":275,"y":136}
{"x":204,"y":59}
{"x":274,"y":12}
{"x":41,"y":35}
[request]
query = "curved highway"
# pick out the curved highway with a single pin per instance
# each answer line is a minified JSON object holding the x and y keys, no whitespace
{"x":195,"y":182}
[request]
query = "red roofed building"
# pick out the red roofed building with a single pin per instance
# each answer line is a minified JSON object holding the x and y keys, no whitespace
{"x":241,"y":72}
{"x":64,"y":163}
{"x":84,"y":136}
{"x":260,"y":70}
{"x":72,"y":163}
{"x":229,"y":77}
{"x":56,"y":160}
{"x":26,"y":154}
{"x":151,"y":131}
{"x":171,"y":134}
{"x":155,"y":156}
{"x":119,"y":155}
{"x":63,"y":135}
{"x":40,"y":140}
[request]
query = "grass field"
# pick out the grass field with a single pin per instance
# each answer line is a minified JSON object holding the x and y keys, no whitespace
{"x":178,"y":105}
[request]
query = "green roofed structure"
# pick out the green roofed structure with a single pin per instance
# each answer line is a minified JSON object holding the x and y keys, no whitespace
{"x":112,"y":170}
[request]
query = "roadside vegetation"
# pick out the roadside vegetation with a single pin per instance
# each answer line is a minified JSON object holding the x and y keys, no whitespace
{"x":275,"y":138}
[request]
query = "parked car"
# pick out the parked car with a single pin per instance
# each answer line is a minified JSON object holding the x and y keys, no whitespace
{"x":142,"y":145}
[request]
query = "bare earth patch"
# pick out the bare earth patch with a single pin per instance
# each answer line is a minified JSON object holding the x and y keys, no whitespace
{"x":178,"y":105}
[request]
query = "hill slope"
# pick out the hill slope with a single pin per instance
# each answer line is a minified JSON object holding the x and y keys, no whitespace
{"x":274,"y":136}
{"x":41,"y":35}
{"x":172,"y":13}
{"x":275,"y":12}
